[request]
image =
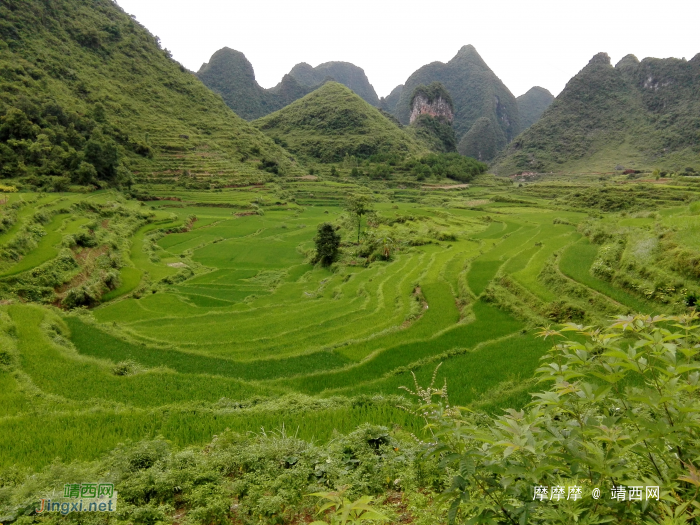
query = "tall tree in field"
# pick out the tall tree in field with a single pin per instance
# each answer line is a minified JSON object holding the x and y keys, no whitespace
{"x":357,"y":206}
{"x":327,"y":244}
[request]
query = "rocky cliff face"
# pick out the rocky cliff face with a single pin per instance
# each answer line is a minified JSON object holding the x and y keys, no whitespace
{"x":438,"y":108}
{"x":432,"y":114}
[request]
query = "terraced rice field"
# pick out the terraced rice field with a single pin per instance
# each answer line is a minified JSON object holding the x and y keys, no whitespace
{"x":254,"y":320}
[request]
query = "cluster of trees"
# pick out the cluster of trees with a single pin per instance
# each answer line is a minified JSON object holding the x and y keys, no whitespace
{"x":327,"y":240}
{"x":327,"y":243}
{"x":451,"y":165}
{"x":47,"y":145}
{"x":442,"y":165}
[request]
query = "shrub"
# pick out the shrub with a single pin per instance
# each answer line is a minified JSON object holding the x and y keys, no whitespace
{"x":85,"y":240}
{"x":327,"y":244}
{"x":346,"y":512}
{"x":125,"y":368}
{"x":81,"y":296}
{"x":622,"y":410}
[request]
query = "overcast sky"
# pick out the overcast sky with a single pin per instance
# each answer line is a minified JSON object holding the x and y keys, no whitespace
{"x":525,"y":42}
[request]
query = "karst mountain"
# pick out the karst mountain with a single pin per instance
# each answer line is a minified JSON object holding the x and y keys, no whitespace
{"x":631,"y":115}
{"x":532,"y":104}
{"x":230,"y":74}
{"x":476,"y":92}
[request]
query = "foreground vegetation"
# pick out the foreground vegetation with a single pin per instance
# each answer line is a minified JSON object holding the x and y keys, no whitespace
{"x":622,"y":412}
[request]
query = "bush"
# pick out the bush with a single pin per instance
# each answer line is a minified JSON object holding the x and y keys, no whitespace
{"x":85,"y":174}
{"x":327,"y":244}
{"x":622,"y":411}
{"x":450,"y":165}
{"x":125,"y":368}
{"x":81,"y":296}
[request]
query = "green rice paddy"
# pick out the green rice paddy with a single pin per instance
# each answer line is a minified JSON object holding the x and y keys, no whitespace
{"x":228,"y":314}
{"x":576,"y":262}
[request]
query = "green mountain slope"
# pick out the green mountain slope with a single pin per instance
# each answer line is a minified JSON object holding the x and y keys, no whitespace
{"x":231,"y":75}
{"x":389,"y":102}
{"x":343,"y":72}
{"x":87,"y":96}
{"x":532,"y":104}
{"x":480,"y":141}
{"x":333,"y":122}
{"x":476,"y":92}
{"x":636,"y":114}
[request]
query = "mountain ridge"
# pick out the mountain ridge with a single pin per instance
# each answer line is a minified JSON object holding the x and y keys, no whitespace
{"x":230,"y":74}
{"x":636,"y":114}
{"x":345,"y":73}
{"x":389,"y":102}
{"x":476,"y":91}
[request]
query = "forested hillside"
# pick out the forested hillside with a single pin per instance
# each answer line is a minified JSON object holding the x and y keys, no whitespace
{"x":389,"y":102}
{"x":333,"y":122}
{"x":634,"y":115}
{"x":88,"y":97}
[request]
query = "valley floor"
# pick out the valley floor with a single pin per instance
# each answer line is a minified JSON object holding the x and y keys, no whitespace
{"x":219,"y":321}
